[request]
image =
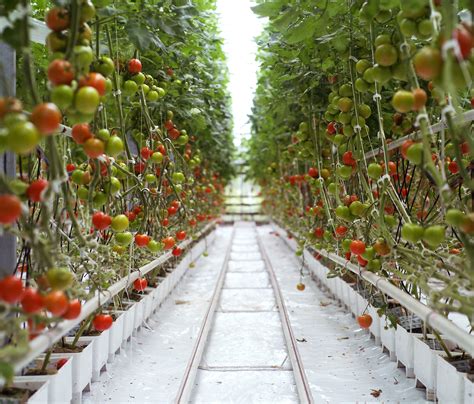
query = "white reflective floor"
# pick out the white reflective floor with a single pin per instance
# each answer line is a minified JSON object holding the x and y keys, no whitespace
{"x":245,"y":360}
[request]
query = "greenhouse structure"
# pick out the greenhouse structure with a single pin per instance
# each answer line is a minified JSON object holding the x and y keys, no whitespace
{"x":236,"y":201}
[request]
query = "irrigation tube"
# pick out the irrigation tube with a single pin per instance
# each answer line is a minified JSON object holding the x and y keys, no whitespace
{"x":42,"y":342}
{"x":437,"y":321}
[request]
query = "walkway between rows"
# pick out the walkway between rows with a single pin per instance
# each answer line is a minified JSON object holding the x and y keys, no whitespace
{"x":223,"y":337}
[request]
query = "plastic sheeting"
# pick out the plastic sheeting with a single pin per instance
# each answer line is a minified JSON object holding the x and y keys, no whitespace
{"x":342,"y":363}
{"x":245,"y":360}
{"x":150,"y":368}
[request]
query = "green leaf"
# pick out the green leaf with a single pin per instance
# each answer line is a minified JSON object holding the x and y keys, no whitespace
{"x":141,"y":37}
{"x":6,"y":372}
{"x":301,"y":31}
{"x":267,"y":9}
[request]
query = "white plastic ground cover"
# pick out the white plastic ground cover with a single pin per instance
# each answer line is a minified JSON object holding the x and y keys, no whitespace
{"x":150,"y":368}
{"x":342,"y":363}
{"x":246,"y":359}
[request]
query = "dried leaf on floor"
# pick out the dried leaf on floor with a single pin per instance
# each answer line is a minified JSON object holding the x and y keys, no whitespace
{"x":182,"y":302}
{"x":376,"y":392}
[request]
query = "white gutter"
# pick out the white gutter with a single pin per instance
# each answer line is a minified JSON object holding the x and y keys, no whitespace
{"x":43,"y":341}
{"x":435,"y":320}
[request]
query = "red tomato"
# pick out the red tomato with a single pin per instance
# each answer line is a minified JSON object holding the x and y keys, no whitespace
{"x":134,"y":66}
{"x":73,"y":310}
{"x":60,"y":72}
{"x":192,"y":222}
{"x":81,"y":133}
{"x":168,"y":242}
{"x":453,"y":167}
{"x":181,"y":235}
{"x":319,"y":232}
{"x":172,"y":210}
{"x":465,"y":41}
{"x":313,"y":172}
{"x":365,"y":320}
{"x":392,"y":168}
{"x":165,"y":222}
{"x":357,"y":247}
{"x":101,"y":221}
{"x":146,"y":152}
{"x":70,"y":167}
{"x":94,"y":148}
{"x":331,"y":128}
{"x":341,"y":231}
{"x":11,"y":289}
{"x":46,"y":117}
{"x":140,"y":284}
{"x":348,"y":160}
{"x":169,"y":71}
{"x":142,"y":240}
{"x":60,"y":363}
{"x":56,"y":302}
{"x":95,"y":80}
{"x":139,"y":167}
{"x":177,"y":251}
{"x":362,"y":262}
{"x":10,"y":208}
{"x":174,"y":134}
{"x":32,"y":301}
{"x":169,"y":125}
{"x":404,"y":147}
{"x":57,"y":19}
{"x":102,"y":322}
{"x":162,"y":149}
{"x":35,"y":190}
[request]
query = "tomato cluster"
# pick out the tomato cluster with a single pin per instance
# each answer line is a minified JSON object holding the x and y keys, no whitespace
{"x":347,"y":148}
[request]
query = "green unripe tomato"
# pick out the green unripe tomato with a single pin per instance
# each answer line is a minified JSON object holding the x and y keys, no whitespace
{"x":123,"y":238}
{"x":114,"y":146}
{"x":62,"y":96}
{"x":119,"y":223}
{"x":412,"y":232}
{"x":103,"y":134}
{"x":83,"y":193}
{"x":455,"y":217}
{"x":157,"y":158}
{"x":415,"y":153}
{"x":374,"y":170}
{"x":87,"y":100}
{"x":178,"y":178}
{"x":434,"y":235}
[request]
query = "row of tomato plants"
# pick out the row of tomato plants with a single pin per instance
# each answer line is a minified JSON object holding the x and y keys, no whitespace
{"x":123,"y":181}
{"x":346,"y":80}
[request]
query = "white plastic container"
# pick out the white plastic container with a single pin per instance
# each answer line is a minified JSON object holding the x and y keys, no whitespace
{"x":450,"y":382}
{"x":387,"y":337}
{"x":353,"y":297}
{"x":404,"y":347}
{"x":128,"y":321}
{"x":59,"y":384}
{"x":375,"y":326}
{"x":100,"y":353}
{"x":425,"y":364}
{"x":81,"y":367}
{"x":40,"y":388}
{"x":116,"y":335}
{"x":148,"y":303}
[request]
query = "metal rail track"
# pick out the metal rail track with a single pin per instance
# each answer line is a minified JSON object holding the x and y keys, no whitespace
{"x":188,"y":381}
{"x":302,"y":385}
